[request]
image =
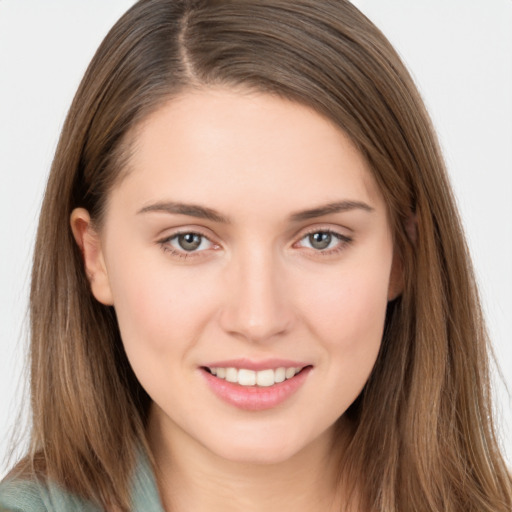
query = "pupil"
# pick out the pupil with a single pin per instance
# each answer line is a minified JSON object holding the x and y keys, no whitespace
{"x":189,"y":241}
{"x":320,"y":240}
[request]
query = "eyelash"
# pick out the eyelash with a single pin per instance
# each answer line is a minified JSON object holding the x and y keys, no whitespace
{"x":342,"y":239}
{"x":167,"y":248}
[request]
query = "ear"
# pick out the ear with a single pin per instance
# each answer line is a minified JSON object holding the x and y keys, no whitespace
{"x":396,"y":277}
{"x":89,"y":242}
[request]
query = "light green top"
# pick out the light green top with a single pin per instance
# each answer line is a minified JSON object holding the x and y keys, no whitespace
{"x":28,"y":496}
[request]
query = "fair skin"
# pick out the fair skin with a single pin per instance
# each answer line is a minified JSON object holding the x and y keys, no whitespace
{"x":248,"y":233}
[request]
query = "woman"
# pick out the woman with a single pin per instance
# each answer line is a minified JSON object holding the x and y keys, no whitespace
{"x":247,"y":277}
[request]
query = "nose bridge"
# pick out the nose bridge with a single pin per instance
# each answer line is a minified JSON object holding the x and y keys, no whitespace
{"x":257,"y":306}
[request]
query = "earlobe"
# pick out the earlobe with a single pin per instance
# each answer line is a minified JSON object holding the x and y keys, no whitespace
{"x":89,"y":243}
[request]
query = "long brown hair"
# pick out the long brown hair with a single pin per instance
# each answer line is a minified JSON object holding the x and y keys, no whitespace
{"x":423,"y":438}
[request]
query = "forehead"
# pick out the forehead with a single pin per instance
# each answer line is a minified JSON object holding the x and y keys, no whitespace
{"x":220,"y":146}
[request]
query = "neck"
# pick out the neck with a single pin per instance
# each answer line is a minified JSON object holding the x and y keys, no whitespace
{"x":194,"y":478}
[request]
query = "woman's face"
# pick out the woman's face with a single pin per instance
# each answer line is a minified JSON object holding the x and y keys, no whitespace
{"x":248,"y":255}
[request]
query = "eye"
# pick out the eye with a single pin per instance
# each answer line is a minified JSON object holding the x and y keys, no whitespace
{"x":324,"y":241}
{"x":186,"y":243}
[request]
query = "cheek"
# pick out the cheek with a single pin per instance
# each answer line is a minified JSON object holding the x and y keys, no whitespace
{"x":161,"y":315}
{"x":348,"y":312}
{"x":155,"y":307}
{"x":142,"y":308}
{"x":349,"y":321}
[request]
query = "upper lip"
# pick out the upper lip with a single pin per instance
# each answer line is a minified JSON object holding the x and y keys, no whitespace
{"x":249,"y":364}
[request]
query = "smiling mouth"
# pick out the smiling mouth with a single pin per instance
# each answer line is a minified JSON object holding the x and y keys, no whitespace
{"x":251,"y":378}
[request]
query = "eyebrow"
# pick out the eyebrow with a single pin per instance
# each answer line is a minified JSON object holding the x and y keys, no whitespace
{"x":330,"y":208}
{"x":202,"y":212}
{"x":192,"y":210}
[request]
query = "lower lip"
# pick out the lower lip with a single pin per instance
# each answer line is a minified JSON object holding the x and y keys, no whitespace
{"x":254,"y":398}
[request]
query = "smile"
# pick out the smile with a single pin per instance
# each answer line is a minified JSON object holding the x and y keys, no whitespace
{"x":262,"y":378}
{"x":259,"y":388}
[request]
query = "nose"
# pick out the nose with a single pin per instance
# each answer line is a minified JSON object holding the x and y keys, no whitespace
{"x":257,"y":307}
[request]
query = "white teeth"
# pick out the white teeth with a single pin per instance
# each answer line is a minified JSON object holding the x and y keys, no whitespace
{"x":263,"y":378}
{"x":290,"y":372}
{"x":246,"y":377}
{"x":280,"y":375}
{"x":231,"y":374}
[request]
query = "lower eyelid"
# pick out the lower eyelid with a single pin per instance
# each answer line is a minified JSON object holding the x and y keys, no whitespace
{"x":168,"y":249}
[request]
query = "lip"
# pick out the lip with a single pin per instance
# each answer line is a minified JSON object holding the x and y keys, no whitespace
{"x":253,"y":398}
{"x":248,"y":364}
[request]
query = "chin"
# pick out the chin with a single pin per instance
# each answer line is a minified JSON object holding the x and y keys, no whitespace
{"x":267,"y":448}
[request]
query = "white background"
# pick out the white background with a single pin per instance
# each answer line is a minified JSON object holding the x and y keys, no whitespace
{"x":459,"y":52}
